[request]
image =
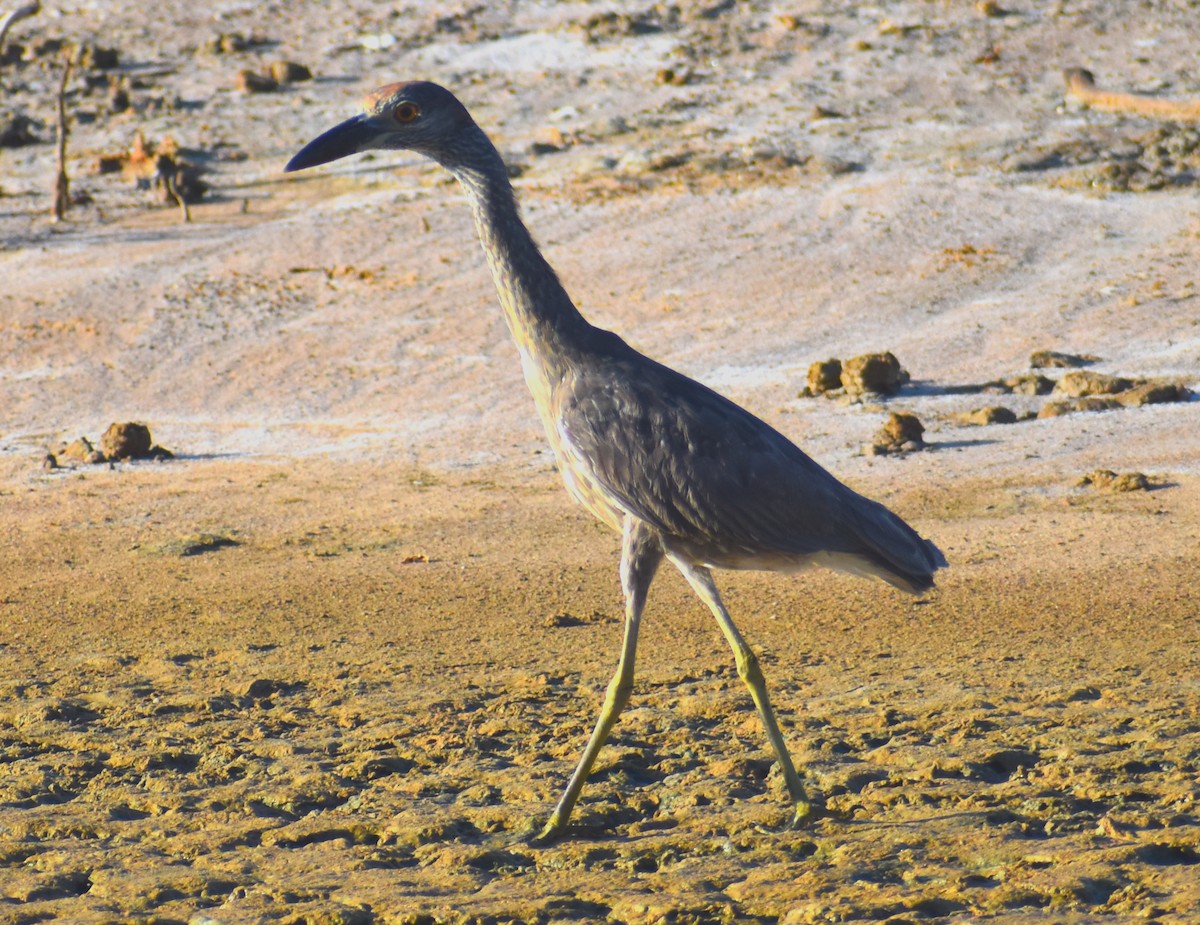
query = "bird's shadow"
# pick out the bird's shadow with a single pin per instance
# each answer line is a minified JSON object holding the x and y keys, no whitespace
{"x":921,"y":388}
{"x":955,"y":445}
{"x":203,"y":457}
{"x":333,"y":79}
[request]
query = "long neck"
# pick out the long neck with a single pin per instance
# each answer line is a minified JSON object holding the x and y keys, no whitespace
{"x":543,"y":320}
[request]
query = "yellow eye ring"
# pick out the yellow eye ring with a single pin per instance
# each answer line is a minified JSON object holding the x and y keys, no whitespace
{"x":406,"y":112}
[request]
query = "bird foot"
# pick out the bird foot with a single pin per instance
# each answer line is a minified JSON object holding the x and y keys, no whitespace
{"x":806,"y":813}
{"x":802,"y":815}
{"x":550,"y":833}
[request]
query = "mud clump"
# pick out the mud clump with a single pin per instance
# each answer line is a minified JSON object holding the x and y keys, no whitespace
{"x":674,"y":78}
{"x":1107,"y":480}
{"x":1082,"y":383}
{"x":901,"y":433}
{"x":1056,"y":409}
{"x":550,"y":140}
{"x":229,"y":43}
{"x":92,"y":57}
{"x":993,"y":414}
{"x":824,"y":376}
{"x":1026,"y":384}
{"x":869,"y":374}
{"x":277,"y":74}
{"x":1084,"y":390}
{"x":248,"y":81}
{"x":158,"y":166}
{"x":289,"y":72}
{"x":1153,"y":393}
{"x":127,"y":440}
{"x":608,"y":26}
{"x":80,"y":450}
{"x":1053,"y":359}
{"x":878,"y":373}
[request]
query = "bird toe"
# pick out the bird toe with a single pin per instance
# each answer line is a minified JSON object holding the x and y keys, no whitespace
{"x":549,"y":834}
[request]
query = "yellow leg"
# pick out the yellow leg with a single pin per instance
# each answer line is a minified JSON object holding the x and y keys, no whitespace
{"x":748,"y":669}
{"x":641,"y":553}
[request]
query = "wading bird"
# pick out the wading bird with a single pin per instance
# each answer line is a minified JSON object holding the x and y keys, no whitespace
{"x":680,"y":471}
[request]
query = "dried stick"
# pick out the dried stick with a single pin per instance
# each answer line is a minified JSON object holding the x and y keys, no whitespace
{"x":1081,"y":85}
{"x":168,"y":178}
{"x":62,"y":183}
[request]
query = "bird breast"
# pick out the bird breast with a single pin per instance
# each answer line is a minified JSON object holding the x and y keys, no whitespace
{"x":573,"y":466}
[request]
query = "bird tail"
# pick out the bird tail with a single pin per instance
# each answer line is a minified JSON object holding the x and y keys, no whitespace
{"x":894,"y":550}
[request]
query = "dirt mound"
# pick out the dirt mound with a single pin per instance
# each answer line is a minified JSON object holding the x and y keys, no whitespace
{"x":121,"y":441}
{"x":865,"y":375}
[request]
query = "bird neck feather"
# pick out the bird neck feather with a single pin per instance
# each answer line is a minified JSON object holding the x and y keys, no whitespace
{"x":541,"y":316}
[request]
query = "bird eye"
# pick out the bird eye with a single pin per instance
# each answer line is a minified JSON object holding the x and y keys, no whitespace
{"x":406,"y":112}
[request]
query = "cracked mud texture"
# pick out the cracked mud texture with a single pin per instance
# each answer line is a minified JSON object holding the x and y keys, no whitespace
{"x":362,"y":721}
{"x":335,"y":661}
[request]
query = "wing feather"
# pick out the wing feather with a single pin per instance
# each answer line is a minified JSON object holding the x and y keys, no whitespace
{"x":705,"y":471}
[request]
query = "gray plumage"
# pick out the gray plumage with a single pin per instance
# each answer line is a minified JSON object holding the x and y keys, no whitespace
{"x":719,"y":484}
{"x":682,"y":472}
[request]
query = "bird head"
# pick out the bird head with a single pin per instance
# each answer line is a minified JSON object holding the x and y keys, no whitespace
{"x":413,"y":116}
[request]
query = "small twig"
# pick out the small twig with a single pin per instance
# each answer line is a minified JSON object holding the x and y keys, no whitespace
{"x":1081,"y":85}
{"x":20,"y":12}
{"x":168,"y":179}
{"x":62,"y":183}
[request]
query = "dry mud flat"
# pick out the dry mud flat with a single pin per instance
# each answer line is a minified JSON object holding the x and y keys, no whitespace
{"x":351,"y":707}
{"x":328,"y":664}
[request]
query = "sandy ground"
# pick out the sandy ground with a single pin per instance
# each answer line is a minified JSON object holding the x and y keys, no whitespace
{"x":333,"y":662}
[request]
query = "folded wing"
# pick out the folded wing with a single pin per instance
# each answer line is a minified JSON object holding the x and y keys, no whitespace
{"x":722,"y":483}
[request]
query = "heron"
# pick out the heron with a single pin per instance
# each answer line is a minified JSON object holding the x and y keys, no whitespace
{"x":680,"y":471}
